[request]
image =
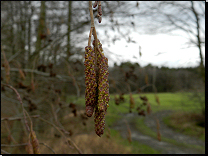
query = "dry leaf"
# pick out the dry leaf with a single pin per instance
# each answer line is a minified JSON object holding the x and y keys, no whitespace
{"x":132,"y":103}
{"x":146,"y":79}
{"x":22,"y":75}
{"x":149,"y":110}
{"x":157,"y":99}
{"x":158,"y":130}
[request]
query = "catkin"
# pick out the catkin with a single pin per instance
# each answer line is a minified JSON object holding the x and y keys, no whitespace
{"x":35,"y":143}
{"x":90,"y":81}
{"x":103,"y":84}
{"x":97,"y":86}
{"x":99,"y":119}
{"x":29,"y":147}
{"x":103,"y":90}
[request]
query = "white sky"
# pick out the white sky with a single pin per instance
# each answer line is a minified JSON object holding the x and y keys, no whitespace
{"x":172,"y":48}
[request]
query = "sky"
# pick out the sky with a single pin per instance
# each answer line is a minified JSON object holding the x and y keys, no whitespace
{"x":157,"y":49}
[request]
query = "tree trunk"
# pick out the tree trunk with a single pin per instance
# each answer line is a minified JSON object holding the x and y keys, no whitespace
{"x":201,"y":66}
{"x":69,"y":28}
{"x":41,"y":27}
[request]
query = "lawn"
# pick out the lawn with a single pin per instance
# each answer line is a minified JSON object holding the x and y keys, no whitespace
{"x":179,"y":102}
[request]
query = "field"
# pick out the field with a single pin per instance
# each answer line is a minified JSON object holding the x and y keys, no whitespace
{"x":179,"y":103}
{"x":113,"y":141}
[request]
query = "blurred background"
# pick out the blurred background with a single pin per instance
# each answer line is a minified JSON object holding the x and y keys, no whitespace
{"x":156,"y":57}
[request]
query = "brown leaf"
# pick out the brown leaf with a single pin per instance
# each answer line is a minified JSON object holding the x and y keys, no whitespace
{"x":22,"y":75}
{"x":7,"y":67}
{"x":132,"y":103}
{"x":157,"y":99}
{"x":146,"y":79}
{"x":149,"y":110}
{"x":158,"y":130}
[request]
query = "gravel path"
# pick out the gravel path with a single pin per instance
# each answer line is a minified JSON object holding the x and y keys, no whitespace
{"x":163,"y":147}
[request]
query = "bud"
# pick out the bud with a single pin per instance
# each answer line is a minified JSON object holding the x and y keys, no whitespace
{"x":99,"y":9}
{"x":99,"y":19}
{"x":95,"y":4}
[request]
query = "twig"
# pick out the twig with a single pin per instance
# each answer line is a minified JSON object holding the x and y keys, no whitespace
{"x":4,"y":145}
{"x":90,"y":35}
{"x":38,"y":72}
{"x":25,"y":144}
{"x":67,"y":139}
{"x":20,"y":100}
{"x":47,"y":147}
{"x":18,"y":118}
{"x":3,"y":151}
{"x":10,"y":134}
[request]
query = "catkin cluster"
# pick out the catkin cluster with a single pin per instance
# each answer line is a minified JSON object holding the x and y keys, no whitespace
{"x":97,"y":86}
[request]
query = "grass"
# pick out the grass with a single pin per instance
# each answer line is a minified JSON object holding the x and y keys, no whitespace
{"x":147,"y":131}
{"x":187,"y":124}
{"x":168,"y":101}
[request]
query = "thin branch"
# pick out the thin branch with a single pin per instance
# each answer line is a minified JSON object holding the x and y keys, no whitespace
{"x":47,"y":147}
{"x":89,"y":40}
{"x":66,"y":138}
{"x":25,"y":144}
{"x":20,"y":100}
{"x":3,"y":151}
{"x":38,"y":72}
{"x":18,"y":118}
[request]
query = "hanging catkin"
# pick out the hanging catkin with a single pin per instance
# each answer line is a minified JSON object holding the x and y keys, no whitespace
{"x":90,"y":80}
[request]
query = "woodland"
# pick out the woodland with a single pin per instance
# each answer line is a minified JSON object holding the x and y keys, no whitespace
{"x":48,"y":70}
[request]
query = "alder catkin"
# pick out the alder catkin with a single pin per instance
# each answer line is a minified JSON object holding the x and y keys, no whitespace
{"x":103,"y":90}
{"x":99,"y":119}
{"x":103,"y":83}
{"x":29,"y":148}
{"x":35,"y":143}
{"x":90,"y":81}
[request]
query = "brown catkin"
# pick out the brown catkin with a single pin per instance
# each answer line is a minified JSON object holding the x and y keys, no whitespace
{"x":35,"y":143}
{"x":29,"y":148}
{"x":99,"y":119}
{"x":103,"y":84}
{"x":132,"y":103}
{"x":103,"y":91}
{"x":90,"y":81}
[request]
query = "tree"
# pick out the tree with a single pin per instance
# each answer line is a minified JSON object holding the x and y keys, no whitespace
{"x":188,"y":17}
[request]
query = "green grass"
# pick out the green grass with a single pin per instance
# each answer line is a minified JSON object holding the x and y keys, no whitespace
{"x":168,"y":101}
{"x":135,"y":146}
{"x":147,"y":131}
{"x":184,"y":124}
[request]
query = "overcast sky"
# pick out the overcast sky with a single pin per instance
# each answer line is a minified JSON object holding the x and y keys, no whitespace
{"x":157,"y":49}
{"x":160,"y":50}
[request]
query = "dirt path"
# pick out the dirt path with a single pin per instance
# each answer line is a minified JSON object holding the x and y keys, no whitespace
{"x":163,"y":147}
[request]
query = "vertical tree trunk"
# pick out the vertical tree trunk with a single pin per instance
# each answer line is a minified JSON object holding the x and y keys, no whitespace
{"x":29,"y":31}
{"x":69,"y":28}
{"x":201,"y":66}
{"x":12,"y":29}
{"x":41,"y":27}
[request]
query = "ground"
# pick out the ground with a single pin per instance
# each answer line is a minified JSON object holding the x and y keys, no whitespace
{"x":184,"y":145}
